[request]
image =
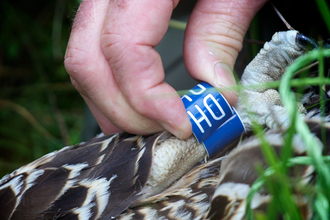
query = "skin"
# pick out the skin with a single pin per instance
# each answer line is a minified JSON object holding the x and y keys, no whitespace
{"x":112,"y":63}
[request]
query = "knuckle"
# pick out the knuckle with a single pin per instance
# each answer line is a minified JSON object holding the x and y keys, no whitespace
{"x":75,"y":60}
{"x":114,"y":47}
{"x":81,"y":72}
{"x":144,"y":104}
{"x":139,"y":104}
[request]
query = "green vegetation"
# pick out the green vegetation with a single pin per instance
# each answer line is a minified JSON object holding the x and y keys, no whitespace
{"x":276,"y":177}
{"x":40,"y":111}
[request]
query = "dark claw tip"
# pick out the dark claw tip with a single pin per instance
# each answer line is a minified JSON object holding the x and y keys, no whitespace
{"x":305,"y":42}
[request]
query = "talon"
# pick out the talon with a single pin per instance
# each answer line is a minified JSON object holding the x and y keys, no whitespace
{"x":305,"y":42}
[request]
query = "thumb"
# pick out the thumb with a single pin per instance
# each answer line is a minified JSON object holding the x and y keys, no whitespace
{"x":213,"y":39}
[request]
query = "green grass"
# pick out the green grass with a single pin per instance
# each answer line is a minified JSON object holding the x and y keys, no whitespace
{"x":318,"y":194}
{"x":325,"y":12}
{"x":281,"y":189}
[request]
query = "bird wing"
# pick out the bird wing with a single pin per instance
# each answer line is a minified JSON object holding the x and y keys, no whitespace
{"x":101,"y":177}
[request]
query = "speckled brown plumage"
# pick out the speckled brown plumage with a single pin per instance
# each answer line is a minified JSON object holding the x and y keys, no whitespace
{"x":85,"y":175}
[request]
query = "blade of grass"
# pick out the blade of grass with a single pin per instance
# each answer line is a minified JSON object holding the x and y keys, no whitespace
{"x":180,"y":25}
{"x":325,"y":12}
{"x":28,"y":116}
{"x":289,"y":103}
{"x":255,"y":187}
{"x":275,"y":84}
{"x":322,"y":98}
{"x":278,"y":183}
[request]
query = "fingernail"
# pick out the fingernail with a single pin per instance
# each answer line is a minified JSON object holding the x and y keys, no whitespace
{"x":224,"y":78}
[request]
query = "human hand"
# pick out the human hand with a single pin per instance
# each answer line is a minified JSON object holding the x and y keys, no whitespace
{"x":112,"y":63}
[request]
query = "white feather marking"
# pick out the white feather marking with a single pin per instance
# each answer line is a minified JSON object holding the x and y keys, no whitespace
{"x":140,"y":141}
{"x":236,"y":193}
{"x":151,"y":213}
{"x":299,"y":145}
{"x":125,"y":216}
{"x":29,"y":181}
{"x":177,"y":210}
{"x":75,"y":169}
{"x":60,"y":150}
{"x":182,"y":214}
{"x":32,"y":177}
{"x":258,"y":200}
{"x":233,"y":191}
{"x":140,"y":154}
{"x":100,"y":159}
{"x":15,"y":184}
{"x":32,"y":166}
{"x":84,"y":212}
{"x":98,"y":189}
{"x":100,"y":135}
{"x":107,"y":141}
{"x":5,"y":179}
{"x":103,"y":196}
{"x":74,"y":172}
{"x":133,"y":138}
{"x":200,"y":204}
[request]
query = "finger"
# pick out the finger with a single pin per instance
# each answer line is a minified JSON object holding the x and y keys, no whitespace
{"x":106,"y":126}
{"x":87,"y":66}
{"x":134,"y":28}
{"x":213,"y":39}
{"x":83,"y":52}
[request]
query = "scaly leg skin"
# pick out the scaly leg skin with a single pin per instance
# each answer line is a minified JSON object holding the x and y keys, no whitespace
{"x":268,"y":66}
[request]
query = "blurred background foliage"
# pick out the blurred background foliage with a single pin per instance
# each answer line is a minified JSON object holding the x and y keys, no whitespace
{"x":40,"y":111}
